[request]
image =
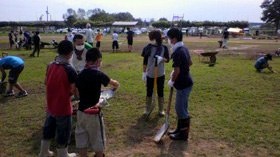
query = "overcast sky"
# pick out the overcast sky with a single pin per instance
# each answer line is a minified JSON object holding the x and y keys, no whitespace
{"x":193,"y":10}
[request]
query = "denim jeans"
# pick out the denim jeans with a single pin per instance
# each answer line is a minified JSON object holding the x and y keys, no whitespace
{"x":181,"y":104}
{"x":58,"y":127}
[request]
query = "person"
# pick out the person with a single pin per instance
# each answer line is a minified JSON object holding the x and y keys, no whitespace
{"x":79,"y":55}
{"x":182,"y":81}
{"x":36,"y":41}
{"x":69,"y":36}
{"x":129,"y":38}
{"x":187,"y":32}
{"x":154,"y":52}
{"x":98,"y":39}
{"x":27,"y":40}
{"x":11,"y":39}
{"x":90,"y":130}
{"x":60,"y":86}
{"x":277,"y":52}
{"x":115,"y":44}
{"x":15,"y":65}
{"x":225,"y":38}
{"x":262,"y":63}
{"x":89,"y":34}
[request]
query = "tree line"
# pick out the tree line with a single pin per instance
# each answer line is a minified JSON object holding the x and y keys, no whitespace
{"x":100,"y":18}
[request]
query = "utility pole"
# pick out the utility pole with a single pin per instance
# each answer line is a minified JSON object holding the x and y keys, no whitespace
{"x":47,"y":12}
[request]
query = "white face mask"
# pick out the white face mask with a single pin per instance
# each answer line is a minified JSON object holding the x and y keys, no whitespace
{"x":80,"y":47}
{"x":154,"y":42}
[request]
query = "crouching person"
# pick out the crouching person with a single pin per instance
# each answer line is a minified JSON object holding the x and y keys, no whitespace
{"x":262,"y":63}
{"x":60,"y":86}
{"x":16,"y":66}
{"x":90,"y":126}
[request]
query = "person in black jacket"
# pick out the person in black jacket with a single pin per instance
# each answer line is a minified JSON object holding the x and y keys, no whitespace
{"x":36,"y":41}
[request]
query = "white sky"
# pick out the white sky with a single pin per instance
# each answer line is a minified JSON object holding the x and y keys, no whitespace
{"x":193,"y":10}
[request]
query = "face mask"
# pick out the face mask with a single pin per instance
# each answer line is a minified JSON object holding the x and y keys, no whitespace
{"x":80,"y":47}
{"x":153,"y":42}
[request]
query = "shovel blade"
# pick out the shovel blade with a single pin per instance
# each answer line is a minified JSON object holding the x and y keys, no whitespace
{"x":161,"y":132}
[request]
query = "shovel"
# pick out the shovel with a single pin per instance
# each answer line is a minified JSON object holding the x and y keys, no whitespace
{"x":154,"y":90}
{"x":165,"y":126}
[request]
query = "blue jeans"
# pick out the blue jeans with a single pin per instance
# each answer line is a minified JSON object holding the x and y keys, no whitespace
{"x":181,"y":104}
{"x":58,"y":127}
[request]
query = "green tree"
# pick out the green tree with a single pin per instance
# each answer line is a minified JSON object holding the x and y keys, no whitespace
{"x":81,"y":13}
{"x":271,"y":12}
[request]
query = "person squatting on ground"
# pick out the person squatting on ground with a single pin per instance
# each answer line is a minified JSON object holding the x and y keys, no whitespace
{"x":78,"y":60}
{"x":115,"y":44}
{"x":16,"y":66}
{"x":129,"y":38}
{"x":90,"y":130}
{"x":152,"y":52}
{"x":181,"y":80}
{"x":36,"y":41}
{"x":98,"y":39}
{"x":60,"y":86}
{"x":262,"y":63}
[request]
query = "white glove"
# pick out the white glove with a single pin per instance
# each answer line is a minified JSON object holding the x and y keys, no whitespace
{"x":171,"y":74}
{"x":171,"y":83}
{"x":144,"y":76}
{"x":159,"y":59}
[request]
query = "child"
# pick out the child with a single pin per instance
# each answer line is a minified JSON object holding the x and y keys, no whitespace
{"x":115,"y":44}
{"x":98,"y":39}
{"x":182,"y":81}
{"x":90,"y":126}
{"x":262,"y":63}
{"x":153,"y":51}
{"x":60,"y":86}
{"x":15,"y":65}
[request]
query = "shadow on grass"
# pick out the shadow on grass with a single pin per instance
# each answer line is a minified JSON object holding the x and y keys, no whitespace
{"x":175,"y":148}
{"x":36,"y":143}
{"x":142,"y":130}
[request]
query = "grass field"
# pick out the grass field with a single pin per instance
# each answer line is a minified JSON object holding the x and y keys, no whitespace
{"x":234,"y":109}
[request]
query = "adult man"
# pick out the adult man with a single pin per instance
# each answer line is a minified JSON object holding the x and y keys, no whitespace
{"x":225,"y":38}
{"x":36,"y":41}
{"x":89,"y":34}
{"x":129,"y":38}
{"x":79,"y":55}
{"x":15,"y":65}
{"x":182,"y":82}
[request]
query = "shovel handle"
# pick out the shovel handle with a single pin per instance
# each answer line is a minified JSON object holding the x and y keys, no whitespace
{"x":169,"y":101}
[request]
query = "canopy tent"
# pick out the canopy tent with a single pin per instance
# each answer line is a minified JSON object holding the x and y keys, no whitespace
{"x":124,"y":23}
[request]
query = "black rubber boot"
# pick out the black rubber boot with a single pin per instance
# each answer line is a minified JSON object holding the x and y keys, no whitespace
{"x":183,"y":133}
{"x":176,"y":130}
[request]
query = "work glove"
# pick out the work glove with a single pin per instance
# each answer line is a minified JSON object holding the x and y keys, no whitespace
{"x":144,"y":76}
{"x":170,"y":83}
{"x":159,"y":59}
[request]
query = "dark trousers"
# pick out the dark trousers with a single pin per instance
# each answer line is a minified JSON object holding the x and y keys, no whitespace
{"x":150,"y":86}
{"x":36,"y":48}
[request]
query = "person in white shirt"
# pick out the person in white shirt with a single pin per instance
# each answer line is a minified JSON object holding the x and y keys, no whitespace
{"x":69,"y":36}
{"x":79,"y":55}
{"x":89,"y":34}
{"x":115,"y":44}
